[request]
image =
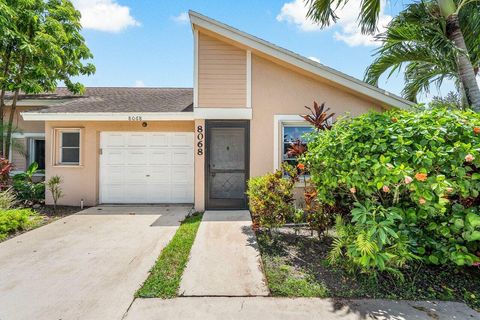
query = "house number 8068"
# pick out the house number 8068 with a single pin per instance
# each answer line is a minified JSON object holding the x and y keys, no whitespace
{"x":200,"y":137}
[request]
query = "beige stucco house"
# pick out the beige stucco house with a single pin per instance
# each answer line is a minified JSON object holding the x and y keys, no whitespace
{"x":184,"y":145}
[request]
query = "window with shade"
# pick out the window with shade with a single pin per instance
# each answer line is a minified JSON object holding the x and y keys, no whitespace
{"x":68,"y":146}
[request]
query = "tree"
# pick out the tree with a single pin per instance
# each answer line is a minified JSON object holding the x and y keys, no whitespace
{"x":416,"y":40}
{"x":324,"y":13}
{"x":40,"y":45}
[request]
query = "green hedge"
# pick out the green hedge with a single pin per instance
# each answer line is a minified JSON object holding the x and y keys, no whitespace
{"x":412,"y":181}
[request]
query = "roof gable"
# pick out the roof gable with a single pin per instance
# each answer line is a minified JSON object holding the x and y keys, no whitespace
{"x":274,"y":51}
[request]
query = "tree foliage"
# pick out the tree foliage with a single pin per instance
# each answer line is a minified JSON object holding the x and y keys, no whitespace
{"x":416,"y":43}
{"x":40,"y":45}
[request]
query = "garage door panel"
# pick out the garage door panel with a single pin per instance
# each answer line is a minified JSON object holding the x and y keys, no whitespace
{"x":113,"y":175}
{"x":182,"y":156}
{"x":136,"y":157}
{"x":112,"y":140}
{"x":182,"y":139}
{"x":181,"y":193}
{"x":159,"y":193}
{"x":182,"y":174}
{"x":159,"y":139}
{"x":150,"y":167}
{"x":137,"y":139}
{"x":160,"y":156}
{"x":160,"y":175}
{"x":114,"y":156}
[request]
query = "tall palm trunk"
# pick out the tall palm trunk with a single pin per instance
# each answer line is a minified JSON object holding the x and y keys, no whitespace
{"x":466,"y":72}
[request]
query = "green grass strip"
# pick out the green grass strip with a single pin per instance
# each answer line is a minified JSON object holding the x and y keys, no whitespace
{"x":165,"y":276}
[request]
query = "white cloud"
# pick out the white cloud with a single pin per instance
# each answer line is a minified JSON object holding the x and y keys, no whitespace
{"x":139,"y":84}
{"x":347,"y":29}
{"x":105,"y":15}
{"x":314,"y":59}
{"x":182,"y":18}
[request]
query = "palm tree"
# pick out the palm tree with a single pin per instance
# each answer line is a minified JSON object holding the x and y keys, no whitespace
{"x":416,"y":39}
{"x":324,"y":13}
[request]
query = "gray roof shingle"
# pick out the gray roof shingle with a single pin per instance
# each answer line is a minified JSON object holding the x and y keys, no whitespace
{"x":103,"y":99}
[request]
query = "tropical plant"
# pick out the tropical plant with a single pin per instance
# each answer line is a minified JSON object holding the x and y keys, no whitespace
{"x":40,"y":44}
{"x":5,"y":169}
{"x":416,"y":40}
{"x":53,"y":185}
{"x":416,"y":173}
{"x":324,"y":13}
{"x":319,"y":117}
{"x":7,"y":199}
{"x":271,"y":198}
{"x":13,"y":220}
{"x":27,"y":188}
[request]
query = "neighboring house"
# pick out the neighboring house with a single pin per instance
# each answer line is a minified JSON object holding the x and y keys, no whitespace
{"x":200,"y":145}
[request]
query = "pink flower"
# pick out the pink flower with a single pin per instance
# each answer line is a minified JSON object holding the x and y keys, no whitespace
{"x":469,"y":158}
{"x":449,"y":190}
{"x":408,"y":179}
{"x":422,"y":200}
{"x":353,"y":190}
{"x":386,"y":189}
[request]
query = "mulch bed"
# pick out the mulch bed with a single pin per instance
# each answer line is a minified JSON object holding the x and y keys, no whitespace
{"x":422,"y":282}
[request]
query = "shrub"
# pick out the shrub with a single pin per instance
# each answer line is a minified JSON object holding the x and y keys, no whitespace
{"x":26,"y":188}
{"x":271,"y":199}
{"x":53,"y":185}
{"x":7,"y":199}
{"x":416,"y":174}
{"x":5,"y":169}
{"x":13,"y":220}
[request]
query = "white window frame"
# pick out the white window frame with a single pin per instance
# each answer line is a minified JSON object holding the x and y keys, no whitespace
{"x":279,"y":122}
{"x":58,"y":132}
{"x":31,"y":148}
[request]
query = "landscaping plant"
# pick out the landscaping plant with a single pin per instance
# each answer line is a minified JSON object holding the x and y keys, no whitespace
{"x":271,"y":198}
{"x":27,"y":189}
{"x":7,"y":199}
{"x":5,"y":169}
{"x":53,"y":185}
{"x":411,"y":181}
{"x":13,"y":220}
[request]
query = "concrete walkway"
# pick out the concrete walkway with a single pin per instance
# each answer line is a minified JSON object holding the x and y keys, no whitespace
{"x":85,"y":266}
{"x":223,"y":308}
{"x":224,"y":260}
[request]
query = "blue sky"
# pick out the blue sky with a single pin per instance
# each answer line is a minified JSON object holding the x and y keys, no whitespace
{"x":149,"y":42}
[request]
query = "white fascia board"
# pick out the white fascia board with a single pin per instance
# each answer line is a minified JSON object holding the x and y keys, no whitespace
{"x":107,"y":116}
{"x":299,"y":61}
{"x":223,"y":113}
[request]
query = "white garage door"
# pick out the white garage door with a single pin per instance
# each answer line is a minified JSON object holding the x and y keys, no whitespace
{"x":152,"y":167}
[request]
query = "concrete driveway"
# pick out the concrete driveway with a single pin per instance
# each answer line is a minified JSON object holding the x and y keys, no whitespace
{"x":85,"y":266}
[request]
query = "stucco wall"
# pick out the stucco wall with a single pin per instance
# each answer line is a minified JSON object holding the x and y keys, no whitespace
{"x":200,"y":136}
{"x":278,"y":90}
{"x":81,"y":182}
{"x":222,"y":73}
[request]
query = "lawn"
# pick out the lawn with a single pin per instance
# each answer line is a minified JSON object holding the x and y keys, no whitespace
{"x":296,"y":266}
{"x":165,"y":276}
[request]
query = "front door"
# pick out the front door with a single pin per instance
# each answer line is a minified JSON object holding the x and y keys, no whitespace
{"x":227,"y":165}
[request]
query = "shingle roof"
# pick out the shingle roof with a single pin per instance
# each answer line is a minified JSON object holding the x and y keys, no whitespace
{"x":103,"y":99}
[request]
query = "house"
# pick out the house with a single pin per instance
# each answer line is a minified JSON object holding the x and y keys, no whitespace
{"x":184,"y":145}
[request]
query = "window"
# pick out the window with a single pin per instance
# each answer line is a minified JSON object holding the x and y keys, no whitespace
{"x":292,"y":133}
{"x":36,"y":152}
{"x":68,"y":146}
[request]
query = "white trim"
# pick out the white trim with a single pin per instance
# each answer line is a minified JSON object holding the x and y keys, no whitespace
{"x":195,"y":68}
{"x":249,"y":79}
{"x":106,"y":116}
{"x":18,"y":135}
{"x":224,"y":113}
{"x":278,"y":120}
{"x":389,"y":99}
